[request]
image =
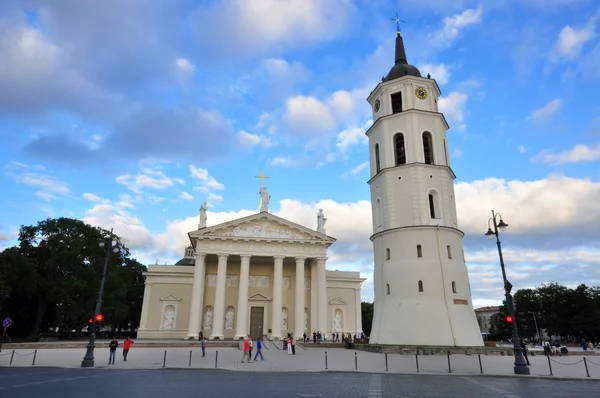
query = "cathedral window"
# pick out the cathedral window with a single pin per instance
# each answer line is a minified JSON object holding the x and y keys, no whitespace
{"x":399,"y":149}
{"x":434,"y":206}
{"x":378,"y":214}
{"x":449,"y":249}
{"x":428,"y":147}
{"x":431,"y":206}
{"x":396,"y":102}
{"x":420,"y":286}
{"x":387,"y":254}
{"x":419,"y":251}
{"x":446,"y":153}
{"x":377,"y":162}
{"x":387,"y":288}
{"x":453,"y":287}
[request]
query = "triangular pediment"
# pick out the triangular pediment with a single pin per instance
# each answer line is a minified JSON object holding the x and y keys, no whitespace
{"x":261,"y":226}
{"x":338,"y":301}
{"x":258,"y":297}
{"x":170,"y":297}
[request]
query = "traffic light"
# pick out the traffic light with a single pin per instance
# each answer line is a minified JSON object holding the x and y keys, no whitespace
{"x":90,"y":321}
{"x":99,"y":318}
{"x":508,"y":320}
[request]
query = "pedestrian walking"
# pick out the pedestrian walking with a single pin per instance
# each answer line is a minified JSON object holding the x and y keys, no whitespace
{"x":246,"y":350}
{"x":258,"y":350}
{"x":524,"y":347}
{"x":126,"y":346}
{"x":289,"y":345}
{"x":293,"y":342}
{"x":204,"y":346}
{"x":112,"y":351}
{"x":250,"y":352}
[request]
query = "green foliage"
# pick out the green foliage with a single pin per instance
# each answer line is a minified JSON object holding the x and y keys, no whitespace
{"x":52,"y":279}
{"x":367,"y":317}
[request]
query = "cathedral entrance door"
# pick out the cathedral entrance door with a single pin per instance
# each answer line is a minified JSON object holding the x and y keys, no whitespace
{"x":256,"y":322}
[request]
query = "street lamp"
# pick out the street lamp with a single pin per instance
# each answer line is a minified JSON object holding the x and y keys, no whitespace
{"x":520,"y":363}
{"x":536,"y":326}
{"x":109,"y":243}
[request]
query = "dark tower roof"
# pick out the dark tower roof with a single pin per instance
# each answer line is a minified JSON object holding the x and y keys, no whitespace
{"x":401,"y":67}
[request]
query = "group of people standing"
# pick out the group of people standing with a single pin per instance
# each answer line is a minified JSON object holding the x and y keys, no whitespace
{"x":318,"y":337}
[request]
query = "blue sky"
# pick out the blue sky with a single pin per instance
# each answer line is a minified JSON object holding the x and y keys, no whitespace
{"x":130,"y":114}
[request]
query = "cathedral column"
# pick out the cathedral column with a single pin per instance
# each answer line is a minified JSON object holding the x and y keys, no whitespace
{"x":217,"y":331}
{"x":197,"y":296}
{"x":145,"y":304}
{"x":277,"y":297}
{"x":322,"y":296}
{"x":299,"y":299}
{"x":314,"y":290}
{"x":241,"y":330}
{"x":358,"y":313}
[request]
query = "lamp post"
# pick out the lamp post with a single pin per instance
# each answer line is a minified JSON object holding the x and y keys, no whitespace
{"x":520,"y":363}
{"x":536,"y":326}
{"x":109,"y":243}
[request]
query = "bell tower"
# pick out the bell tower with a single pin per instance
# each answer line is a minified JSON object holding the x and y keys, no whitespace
{"x":422,"y":291}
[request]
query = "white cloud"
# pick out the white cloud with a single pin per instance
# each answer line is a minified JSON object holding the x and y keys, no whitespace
{"x":577,"y":154}
{"x":454,"y":26}
{"x":248,"y":140}
{"x":453,"y":106}
{"x":206,"y":181}
{"x":356,"y":169}
{"x":284,"y":161}
{"x":185,"y":196}
{"x":353,"y":136}
{"x":93,"y":198}
{"x":49,"y":187}
{"x":185,"y":66}
{"x":522,"y":149}
{"x":148,"y":179}
{"x":546,"y":111}
{"x":440,"y":72}
{"x":571,"y":41}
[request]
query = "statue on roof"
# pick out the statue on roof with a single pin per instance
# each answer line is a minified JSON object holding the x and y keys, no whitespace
{"x":264,"y":199}
{"x":202,"y":223}
{"x":321,"y":220}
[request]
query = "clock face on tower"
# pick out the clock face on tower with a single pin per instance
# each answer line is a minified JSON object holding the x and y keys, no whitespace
{"x":377,"y":105}
{"x":421,"y":93}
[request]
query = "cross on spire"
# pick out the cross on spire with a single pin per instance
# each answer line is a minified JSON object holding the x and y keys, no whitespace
{"x":398,"y":20}
{"x":262,"y":178}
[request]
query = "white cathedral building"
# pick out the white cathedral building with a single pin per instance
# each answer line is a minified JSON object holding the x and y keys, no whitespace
{"x":422,"y":291}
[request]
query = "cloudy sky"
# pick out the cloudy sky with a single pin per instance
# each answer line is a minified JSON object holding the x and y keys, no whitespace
{"x":129,"y":114}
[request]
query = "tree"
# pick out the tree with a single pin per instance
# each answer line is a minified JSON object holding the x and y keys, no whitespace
{"x":366,"y":310}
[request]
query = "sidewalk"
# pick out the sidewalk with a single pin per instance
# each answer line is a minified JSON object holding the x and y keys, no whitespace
{"x":310,"y":360}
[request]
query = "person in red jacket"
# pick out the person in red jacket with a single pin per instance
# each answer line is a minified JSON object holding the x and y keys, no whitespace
{"x":126,"y":346}
{"x":246,"y":350}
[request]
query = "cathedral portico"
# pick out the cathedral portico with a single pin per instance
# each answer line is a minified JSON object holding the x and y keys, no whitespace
{"x":260,"y":275}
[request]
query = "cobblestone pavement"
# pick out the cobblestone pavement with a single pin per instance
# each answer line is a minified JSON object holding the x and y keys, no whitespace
{"x":309,"y":360}
{"x":33,"y":383}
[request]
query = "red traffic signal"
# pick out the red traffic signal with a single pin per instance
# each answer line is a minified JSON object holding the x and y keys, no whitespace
{"x":90,"y":321}
{"x":509,"y":319}
{"x":99,"y":318}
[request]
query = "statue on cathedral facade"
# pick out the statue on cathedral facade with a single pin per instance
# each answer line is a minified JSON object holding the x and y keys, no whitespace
{"x":202,"y":223}
{"x":321,"y":220}
{"x":264,"y":199}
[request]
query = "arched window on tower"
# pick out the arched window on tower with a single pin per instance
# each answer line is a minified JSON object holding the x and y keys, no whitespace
{"x":377,"y":162}
{"x":453,"y":287}
{"x":388,"y":255}
{"x":449,"y":249}
{"x":428,"y":147}
{"x":434,"y":206}
{"x":420,"y":286}
{"x":378,"y":214}
{"x":396,"y":100}
{"x":399,"y":149}
{"x":446,"y":153}
{"x":387,"y":288}
{"x":419,"y":251}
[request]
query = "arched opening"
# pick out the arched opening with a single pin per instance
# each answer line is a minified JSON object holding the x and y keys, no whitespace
{"x":377,"y":161}
{"x":378,"y":214}
{"x":399,"y":149}
{"x":446,"y":153}
{"x":428,"y":147}
{"x":387,"y":254}
{"x":387,"y":288}
{"x":449,"y":250}
{"x":421,"y":286}
{"x":453,"y":287}
{"x":419,"y":251}
{"x":434,"y":204}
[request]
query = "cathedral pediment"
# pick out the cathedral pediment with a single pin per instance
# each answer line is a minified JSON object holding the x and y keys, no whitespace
{"x":258,"y":297}
{"x":262,"y":226}
{"x":170,"y":297}
{"x":338,"y":301}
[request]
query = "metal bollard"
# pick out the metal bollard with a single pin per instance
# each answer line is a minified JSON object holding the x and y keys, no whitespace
{"x":216,"y":358}
{"x":386,"y":362}
{"x":449,"y":367}
{"x":12,"y":356}
{"x":165,"y":359}
{"x":34,"y":355}
{"x":480,"y":367}
{"x":417,"y":359}
{"x":325,"y":360}
{"x":586,"y":368}
{"x":355,"y":361}
{"x":190,"y":365}
{"x":550,"y":366}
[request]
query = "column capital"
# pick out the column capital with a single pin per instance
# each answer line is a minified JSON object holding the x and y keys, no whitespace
{"x":298,"y":259}
{"x":200,"y":254}
{"x":321,"y":259}
{"x":222,"y":255}
{"x":243,"y":256}
{"x":278,"y":257}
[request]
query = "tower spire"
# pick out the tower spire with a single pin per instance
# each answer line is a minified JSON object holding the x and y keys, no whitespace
{"x":401,"y":66}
